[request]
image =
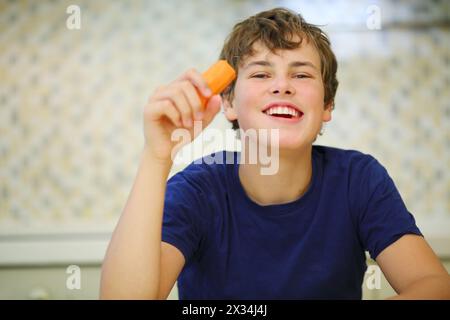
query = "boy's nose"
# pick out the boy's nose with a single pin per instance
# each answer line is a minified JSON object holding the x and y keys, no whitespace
{"x":282,"y":87}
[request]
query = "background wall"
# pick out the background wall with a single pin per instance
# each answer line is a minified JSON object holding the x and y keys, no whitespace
{"x":71,"y":104}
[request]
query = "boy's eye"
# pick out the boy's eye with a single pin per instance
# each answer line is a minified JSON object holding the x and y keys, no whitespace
{"x":260,"y":75}
{"x":301,"y":76}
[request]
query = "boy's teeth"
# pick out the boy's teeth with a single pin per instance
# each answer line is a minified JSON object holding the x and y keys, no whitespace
{"x":282,"y":110}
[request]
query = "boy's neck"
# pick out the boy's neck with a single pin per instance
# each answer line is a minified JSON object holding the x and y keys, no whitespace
{"x":290,"y":182}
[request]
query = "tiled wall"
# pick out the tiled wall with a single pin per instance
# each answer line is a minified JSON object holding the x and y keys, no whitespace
{"x":71,"y":100}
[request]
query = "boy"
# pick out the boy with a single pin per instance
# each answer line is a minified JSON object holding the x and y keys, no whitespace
{"x":225,"y":231}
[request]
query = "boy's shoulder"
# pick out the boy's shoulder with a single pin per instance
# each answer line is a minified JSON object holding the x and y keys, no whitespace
{"x":354,"y":163}
{"x":344,"y":158}
{"x":339,"y":152}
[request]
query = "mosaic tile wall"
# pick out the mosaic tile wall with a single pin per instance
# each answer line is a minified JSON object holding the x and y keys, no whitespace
{"x":71,"y":100}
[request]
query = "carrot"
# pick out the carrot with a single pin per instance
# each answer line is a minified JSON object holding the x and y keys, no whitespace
{"x":218,"y":77}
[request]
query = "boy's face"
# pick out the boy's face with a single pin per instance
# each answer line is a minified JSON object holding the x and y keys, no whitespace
{"x":284,"y":78}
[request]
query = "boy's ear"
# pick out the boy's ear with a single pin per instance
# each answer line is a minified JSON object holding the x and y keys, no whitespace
{"x":327,"y":112}
{"x":230,"y":112}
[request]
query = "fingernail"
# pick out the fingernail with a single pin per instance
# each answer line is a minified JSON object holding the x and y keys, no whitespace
{"x":198,"y":116}
{"x":188,"y":123}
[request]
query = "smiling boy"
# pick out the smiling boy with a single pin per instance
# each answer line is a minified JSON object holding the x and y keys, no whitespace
{"x":225,"y":231}
{"x":268,"y":81}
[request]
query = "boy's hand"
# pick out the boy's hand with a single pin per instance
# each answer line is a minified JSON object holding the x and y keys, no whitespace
{"x":173,"y":106}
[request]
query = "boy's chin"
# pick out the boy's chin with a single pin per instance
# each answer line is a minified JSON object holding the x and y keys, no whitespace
{"x":283,"y":140}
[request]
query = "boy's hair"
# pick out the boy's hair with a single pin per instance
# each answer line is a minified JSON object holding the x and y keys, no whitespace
{"x":275,"y":29}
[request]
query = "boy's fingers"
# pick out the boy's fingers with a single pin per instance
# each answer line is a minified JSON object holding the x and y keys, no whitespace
{"x":193,"y":98}
{"x":197,"y":80}
{"x":172,"y":113}
{"x":177,"y":97}
{"x":163,"y":108}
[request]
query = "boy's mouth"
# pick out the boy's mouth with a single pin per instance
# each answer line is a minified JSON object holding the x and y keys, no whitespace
{"x":286,"y":111}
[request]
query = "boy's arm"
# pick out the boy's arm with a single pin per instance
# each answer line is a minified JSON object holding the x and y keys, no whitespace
{"x":131,"y":268}
{"x":413,"y":269}
{"x":137,"y":264}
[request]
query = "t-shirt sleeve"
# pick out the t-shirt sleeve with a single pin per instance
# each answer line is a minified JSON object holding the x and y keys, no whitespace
{"x":184,"y":208}
{"x":382,"y":216}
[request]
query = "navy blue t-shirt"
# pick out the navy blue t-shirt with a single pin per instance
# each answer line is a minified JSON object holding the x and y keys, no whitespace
{"x":311,"y":248}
